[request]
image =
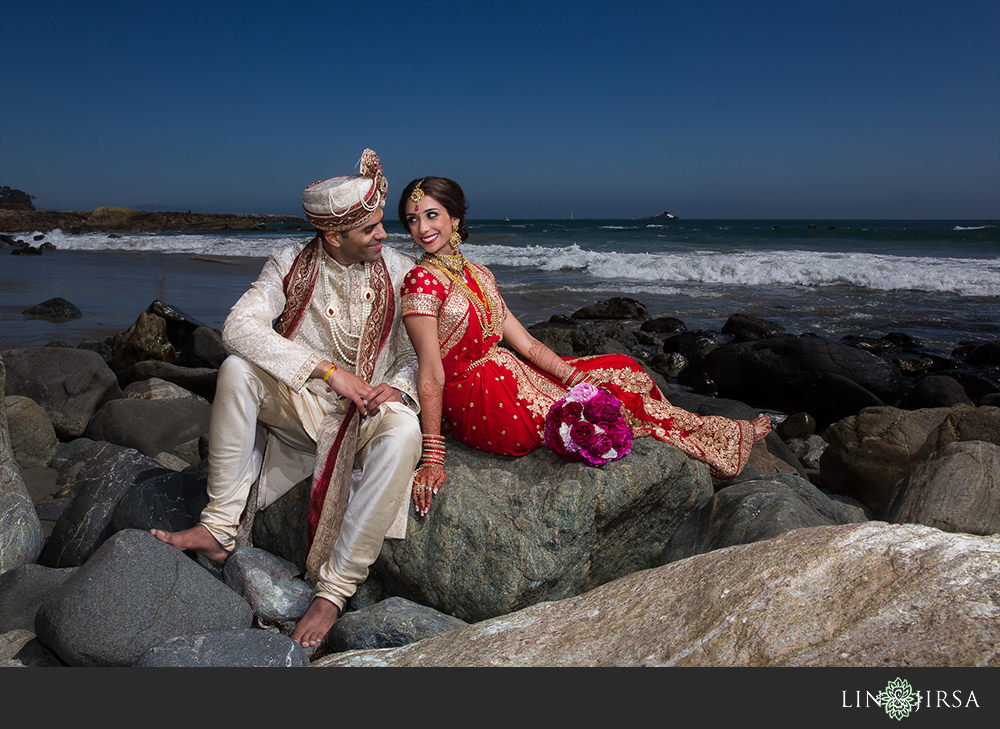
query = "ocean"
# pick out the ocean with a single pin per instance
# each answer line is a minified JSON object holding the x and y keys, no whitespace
{"x":938,"y":281}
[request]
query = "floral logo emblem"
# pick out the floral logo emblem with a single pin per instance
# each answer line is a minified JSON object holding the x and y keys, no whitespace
{"x":898,"y":699}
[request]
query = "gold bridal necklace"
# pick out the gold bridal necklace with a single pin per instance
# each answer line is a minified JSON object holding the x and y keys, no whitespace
{"x":454,"y":267}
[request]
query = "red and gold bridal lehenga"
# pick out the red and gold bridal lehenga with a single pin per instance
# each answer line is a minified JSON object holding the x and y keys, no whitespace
{"x":496,"y":402}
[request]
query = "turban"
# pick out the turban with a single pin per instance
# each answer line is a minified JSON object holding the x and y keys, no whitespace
{"x":342,"y":203}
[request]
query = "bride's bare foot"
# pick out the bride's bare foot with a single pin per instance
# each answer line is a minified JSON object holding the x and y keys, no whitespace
{"x":197,"y":539}
{"x":315,"y":625}
{"x":761,"y":427}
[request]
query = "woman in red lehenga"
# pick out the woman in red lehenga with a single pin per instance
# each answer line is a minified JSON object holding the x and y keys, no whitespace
{"x":494,"y":401}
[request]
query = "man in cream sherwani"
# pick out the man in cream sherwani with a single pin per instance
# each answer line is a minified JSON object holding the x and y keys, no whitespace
{"x":322,"y":380}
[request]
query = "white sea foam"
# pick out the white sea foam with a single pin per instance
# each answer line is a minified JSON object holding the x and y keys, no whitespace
{"x":968,"y":277}
{"x":973,"y":227}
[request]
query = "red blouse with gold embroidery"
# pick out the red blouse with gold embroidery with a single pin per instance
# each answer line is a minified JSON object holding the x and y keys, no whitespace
{"x":496,"y":402}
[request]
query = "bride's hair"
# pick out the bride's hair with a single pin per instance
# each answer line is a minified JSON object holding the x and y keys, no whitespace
{"x":445,"y":191}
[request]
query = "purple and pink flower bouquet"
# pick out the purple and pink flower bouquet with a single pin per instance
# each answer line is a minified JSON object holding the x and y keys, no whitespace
{"x":589,"y":424}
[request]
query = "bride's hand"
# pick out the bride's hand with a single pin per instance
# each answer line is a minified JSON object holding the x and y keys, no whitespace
{"x":426,"y":482}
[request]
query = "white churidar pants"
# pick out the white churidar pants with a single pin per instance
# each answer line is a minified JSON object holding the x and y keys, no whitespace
{"x":388,"y":450}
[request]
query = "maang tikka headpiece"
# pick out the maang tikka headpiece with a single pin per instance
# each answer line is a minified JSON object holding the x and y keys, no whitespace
{"x":418,"y":194}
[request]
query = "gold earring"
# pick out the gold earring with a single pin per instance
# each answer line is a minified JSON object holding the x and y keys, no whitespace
{"x":456,"y":239}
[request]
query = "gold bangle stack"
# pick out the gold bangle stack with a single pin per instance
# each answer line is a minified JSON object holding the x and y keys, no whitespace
{"x":575,"y":378}
{"x":432,"y":452}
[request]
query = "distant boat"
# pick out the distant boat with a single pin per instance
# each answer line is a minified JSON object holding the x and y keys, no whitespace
{"x":665,"y":215}
{"x":571,"y":216}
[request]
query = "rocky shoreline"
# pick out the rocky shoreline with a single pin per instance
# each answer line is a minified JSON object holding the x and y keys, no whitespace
{"x":127,"y":220}
{"x":866,"y":522}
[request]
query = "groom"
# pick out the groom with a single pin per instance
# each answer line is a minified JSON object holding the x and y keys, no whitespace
{"x":321,"y":380}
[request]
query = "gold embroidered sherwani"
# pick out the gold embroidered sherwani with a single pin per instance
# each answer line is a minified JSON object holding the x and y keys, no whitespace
{"x":270,"y":419}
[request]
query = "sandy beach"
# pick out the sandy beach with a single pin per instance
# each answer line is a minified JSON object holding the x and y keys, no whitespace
{"x":112,"y":288}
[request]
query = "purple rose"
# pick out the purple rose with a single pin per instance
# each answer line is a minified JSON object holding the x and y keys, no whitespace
{"x":600,"y":445}
{"x":602,"y":412}
{"x":582,"y":434}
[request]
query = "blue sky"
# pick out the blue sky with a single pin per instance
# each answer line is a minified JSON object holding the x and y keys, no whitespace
{"x":710,"y":109}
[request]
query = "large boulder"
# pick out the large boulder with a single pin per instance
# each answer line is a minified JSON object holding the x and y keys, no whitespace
{"x":752,"y":511}
{"x":792,"y":374}
{"x":134,"y":593}
{"x":870,"y":452}
{"x":504,"y":533}
{"x":32,"y":437}
{"x":199,"y":380}
{"x":387,"y":624}
{"x":150,"y":426}
{"x":231,"y":648}
{"x":957,"y":490}
{"x":109,"y":473}
{"x":871,"y":594}
{"x":22,"y":592}
{"x":70,"y":384}
{"x":21,"y":534}
{"x":145,"y":340}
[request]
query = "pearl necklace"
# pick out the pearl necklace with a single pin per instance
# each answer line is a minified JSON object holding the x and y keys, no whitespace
{"x":346,"y":339}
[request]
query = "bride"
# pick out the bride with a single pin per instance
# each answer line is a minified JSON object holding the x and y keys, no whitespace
{"x":491,"y":399}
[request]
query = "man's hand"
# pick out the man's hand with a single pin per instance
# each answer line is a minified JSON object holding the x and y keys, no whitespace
{"x":378,"y":395}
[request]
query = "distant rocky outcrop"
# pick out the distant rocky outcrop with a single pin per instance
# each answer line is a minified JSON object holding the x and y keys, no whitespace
{"x":129,"y":220}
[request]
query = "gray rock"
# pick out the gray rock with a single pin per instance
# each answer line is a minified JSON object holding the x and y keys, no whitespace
{"x":32,"y":437}
{"x":956,"y":490}
{"x":752,"y":511}
{"x":872,"y":594}
{"x":869,"y":453}
{"x":617,"y":307}
{"x":67,"y":452}
{"x":172,"y":501}
{"x":808,"y":450}
{"x":134,"y":593}
{"x":21,"y":649}
{"x":387,"y":624}
{"x":150,"y":426}
{"x":269,"y":583}
{"x":22,"y":592}
{"x":102,"y":483}
{"x":935,"y":391}
{"x":749,"y":327}
{"x":156,"y":389}
{"x":234,"y":648}
{"x":146,"y":339}
{"x":199,"y":380}
{"x":70,"y":384}
{"x":21,"y":535}
{"x":204,"y":348}
{"x":506,"y":532}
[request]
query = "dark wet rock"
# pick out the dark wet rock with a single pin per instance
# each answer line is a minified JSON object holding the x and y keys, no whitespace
{"x":170,"y":501}
{"x":617,"y":307}
{"x":752,"y":511}
{"x":664,"y":325}
{"x":388,"y":624}
{"x":977,"y":383}
{"x":150,"y":426}
{"x":233,"y":648}
{"x":669,"y":365}
{"x":204,"y":348}
{"x":957,"y":490}
{"x":869,"y":453}
{"x":797,"y":425}
{"x":70,"y":384}
{"x":23,"y":590}
{"x":279,"y":528}
{"x":156,"y":389}
{"x":57,"y":309}
{"x":109,"y":471}
{"x":808,"y":450}
{"x":145,"y":340}
{"x":270,"y":585}
{"x":984,"y":354}
{"x":751,"y":327}
{"x":935,"y":391}
{"x":133,"y":594}
{"x":828,"y":380}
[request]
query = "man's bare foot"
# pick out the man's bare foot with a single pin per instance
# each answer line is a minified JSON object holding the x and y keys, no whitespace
{"x":316,"y":623}
{"x":197,"y":539}
{"x":761,"y":427}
